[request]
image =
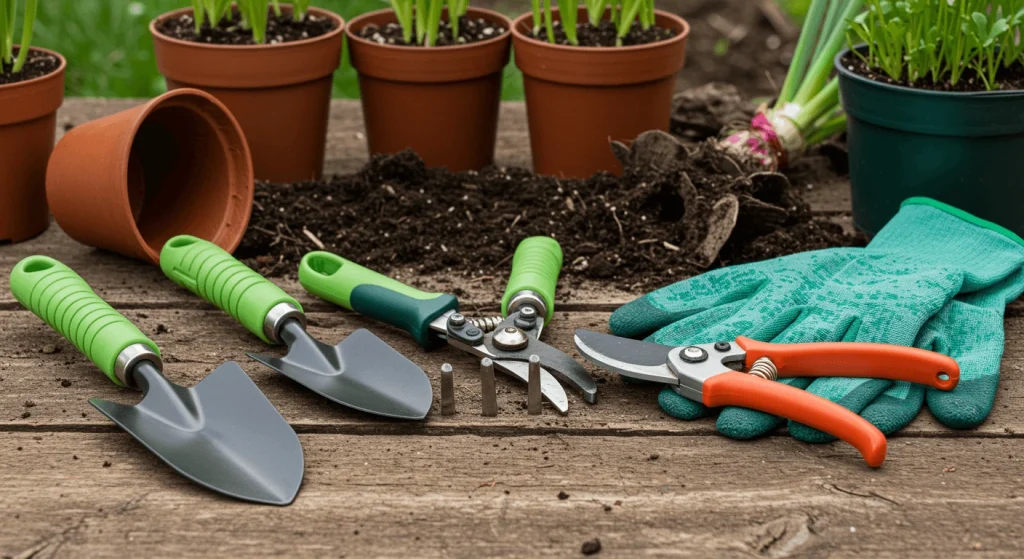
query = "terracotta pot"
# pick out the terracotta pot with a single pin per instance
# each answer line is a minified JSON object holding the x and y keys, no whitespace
{"x":280,"y":94}
{"x":128,"y":182}
{"x":579,"y":98}
{"x":441,"y":102}
{"x":28,"y":120}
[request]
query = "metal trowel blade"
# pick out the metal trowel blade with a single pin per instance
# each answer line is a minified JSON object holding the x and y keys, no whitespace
{"x":222,"y":433}
{"x":362,"y":372}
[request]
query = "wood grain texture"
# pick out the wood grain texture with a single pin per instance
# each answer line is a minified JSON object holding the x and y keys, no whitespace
{"x":471,"y":496}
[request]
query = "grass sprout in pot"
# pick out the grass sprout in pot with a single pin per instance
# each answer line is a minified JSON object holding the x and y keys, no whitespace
{"x":599,"y":75}
{"x":430,"y":80}
{"x":175,"y":165}
{"x":31,"y":91}
{"x":271,"y":64}
{"x":949,"y":125}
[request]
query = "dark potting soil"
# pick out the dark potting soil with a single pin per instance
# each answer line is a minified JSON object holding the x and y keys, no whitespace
{"x":1008,"y":79}
{"x":675,"y":212}
{"x":37,"y":65}
{"x":280,"y":29}
{"x":605,"y":34}
{"x":471,"y":30}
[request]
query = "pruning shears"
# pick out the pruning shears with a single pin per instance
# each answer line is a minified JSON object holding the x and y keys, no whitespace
{"x":742,"y":373}
{"x":433,"y":319}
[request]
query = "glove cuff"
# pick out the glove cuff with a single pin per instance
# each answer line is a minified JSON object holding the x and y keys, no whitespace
{"x":966,"y":216}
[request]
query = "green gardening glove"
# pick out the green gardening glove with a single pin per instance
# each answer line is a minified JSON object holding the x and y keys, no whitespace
{"x":968,"y":329}
{"x":885,"y":293}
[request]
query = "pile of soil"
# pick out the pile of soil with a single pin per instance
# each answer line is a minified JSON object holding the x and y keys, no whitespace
{"x":605,"y":34}
{"x":37,"y":65}
{"x":1007,"y":78}
{"x":679,"y":208}
{"x":471,"y":30}
{"x":280,"y":29}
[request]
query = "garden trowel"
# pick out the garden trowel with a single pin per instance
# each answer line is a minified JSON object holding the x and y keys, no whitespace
{"x":361,"y":372}
{"x":222,"y":433}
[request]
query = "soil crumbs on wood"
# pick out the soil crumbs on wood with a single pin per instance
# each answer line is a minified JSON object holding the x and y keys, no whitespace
{"x":280,"y":29}
{"x":606,"y":35}
{"x":37,"y":65}
{"x":1007,"y":79}
{"x":471,"y":30}
{"x":678,"y":210}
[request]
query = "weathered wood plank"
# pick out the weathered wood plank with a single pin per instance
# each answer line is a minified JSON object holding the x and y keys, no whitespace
{"x":467,"y":496}
{"x":199,"y":341}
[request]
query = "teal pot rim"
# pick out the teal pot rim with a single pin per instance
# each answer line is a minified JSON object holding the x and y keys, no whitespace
{"x":925,"y":111}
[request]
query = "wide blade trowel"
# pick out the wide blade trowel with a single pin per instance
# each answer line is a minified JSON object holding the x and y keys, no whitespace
{"x":222,"y":433}
{"x":361,"y":372}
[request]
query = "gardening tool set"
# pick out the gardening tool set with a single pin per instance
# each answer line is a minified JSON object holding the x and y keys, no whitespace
{"x":913,"y":318}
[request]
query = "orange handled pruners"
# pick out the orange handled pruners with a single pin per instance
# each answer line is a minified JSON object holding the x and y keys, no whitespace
{"x":740,"y":373}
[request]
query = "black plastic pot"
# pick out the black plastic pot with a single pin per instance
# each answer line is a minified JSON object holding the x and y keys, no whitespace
{"x":964,"y":149}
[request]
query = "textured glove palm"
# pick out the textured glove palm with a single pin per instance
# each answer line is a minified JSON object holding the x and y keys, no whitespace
{"x":886,"y":293}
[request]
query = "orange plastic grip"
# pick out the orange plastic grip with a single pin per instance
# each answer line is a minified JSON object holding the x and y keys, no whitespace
{"x":856,"y":359}
{"x":748,"y":391}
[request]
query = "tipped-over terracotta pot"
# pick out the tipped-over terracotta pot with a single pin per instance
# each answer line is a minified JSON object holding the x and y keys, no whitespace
{"x":280,"y":93}
{"x":28,"y":120}
{"x":580,"y":98}
{"x":441,"y":102}
{"x":175,"y":165}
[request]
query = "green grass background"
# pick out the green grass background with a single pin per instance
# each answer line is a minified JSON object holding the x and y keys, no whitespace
{"x":110,"y":52}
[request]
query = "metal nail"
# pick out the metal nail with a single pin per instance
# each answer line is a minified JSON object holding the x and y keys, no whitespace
{"x":490,"y":396}
{"x":533,"y":387}
{"x":447,"y":390}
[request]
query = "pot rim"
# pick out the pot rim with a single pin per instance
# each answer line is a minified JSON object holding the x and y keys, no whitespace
{"x":339,"y":29}
{"x":685,"y":25}
{"x":28,"y":83}
{"x":148,"y":109}
{"x":848,"y":74}
{"x":358,"y":22}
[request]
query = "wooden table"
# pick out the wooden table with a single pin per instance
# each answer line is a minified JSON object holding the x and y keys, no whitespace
{"x":73,"y":485}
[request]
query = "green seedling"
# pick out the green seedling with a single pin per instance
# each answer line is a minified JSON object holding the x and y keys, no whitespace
{"x":940,"y":40}
{"x":807,"y":109}
{"x":622,"y":14}
{"x":8,"y":15}
{"x":421,"y":19}
{"x":253,"y":14}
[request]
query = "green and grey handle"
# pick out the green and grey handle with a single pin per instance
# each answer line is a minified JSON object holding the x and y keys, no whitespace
{"x":59,"y":296}
{"x":535,"y":269}
{"x":213,"y":274}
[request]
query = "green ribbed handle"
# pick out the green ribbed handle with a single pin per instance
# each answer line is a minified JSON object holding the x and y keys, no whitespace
{"x":59,"y":296}
{"x":211,"y":273}
{"x":370,"y":293}
{"x":536,"y":265}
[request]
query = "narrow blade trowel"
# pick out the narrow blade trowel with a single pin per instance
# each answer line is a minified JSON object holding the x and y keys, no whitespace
{"x":361,"y":372}
{"x":222,"y":433}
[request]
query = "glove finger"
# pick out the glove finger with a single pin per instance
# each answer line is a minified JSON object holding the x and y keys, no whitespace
{"x":645,"y":315}
{"x":895,"y":408}
{"x":743,"y":423}
{"x":680,"y":407}
{"x":852,"y":393}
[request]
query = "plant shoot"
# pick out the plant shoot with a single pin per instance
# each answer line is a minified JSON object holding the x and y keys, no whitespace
{"x":421,"y":19}
{"x":8,"y":15}
{"x":622,"y":15}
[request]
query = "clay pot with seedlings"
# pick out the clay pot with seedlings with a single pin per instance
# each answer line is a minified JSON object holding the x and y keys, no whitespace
{"x":936,"y":110}
{"x":601,"y":72}
{"x":271,"y":64}
{"x":430,"y":80}
{"x":128,"y":182}
{"x":31,"y":91}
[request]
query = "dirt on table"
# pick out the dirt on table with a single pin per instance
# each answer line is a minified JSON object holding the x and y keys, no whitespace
{"x":471,"y":30}
{"x":37,"y":65}
{"x":280,"y":29}
{"x":681,"y":207}
{"x":605,"y":34}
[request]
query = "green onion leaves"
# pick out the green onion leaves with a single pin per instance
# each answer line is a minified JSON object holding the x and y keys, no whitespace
{"x":8,"y":14}
{"x":622,"y":14}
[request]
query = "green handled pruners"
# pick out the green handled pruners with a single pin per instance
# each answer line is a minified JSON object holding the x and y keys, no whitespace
{"x":433,"y":318}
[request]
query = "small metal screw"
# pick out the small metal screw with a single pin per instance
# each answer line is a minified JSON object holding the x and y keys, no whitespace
{"x":723,"y":346}
{"x":510,"y":338}
{"x":693,"y":354}
{"x":447,"y":390}
{"x":528,"y":313}
{"x":533,"y":406}
{"x":457,"y":320}
{"x":490,"y":397}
